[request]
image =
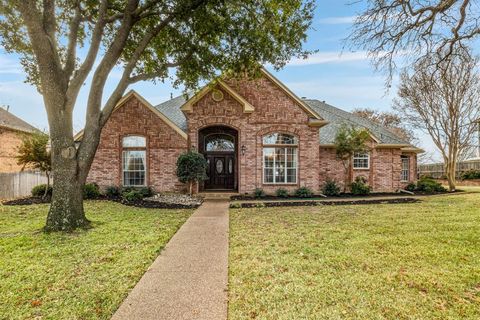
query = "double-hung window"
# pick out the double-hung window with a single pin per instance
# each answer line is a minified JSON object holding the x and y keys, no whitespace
{"x":361,"y":160}
{"x":280,"y":158}
{"x":405,"y":174}
{"x":134,"y":161}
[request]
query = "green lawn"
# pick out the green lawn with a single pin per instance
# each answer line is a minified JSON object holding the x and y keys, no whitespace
{"x":83,"y":275}
{"x":402,"y":261}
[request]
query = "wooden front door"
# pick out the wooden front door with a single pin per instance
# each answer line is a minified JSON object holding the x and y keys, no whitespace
{"x":220,"y":171}
{"x":219,"y":147}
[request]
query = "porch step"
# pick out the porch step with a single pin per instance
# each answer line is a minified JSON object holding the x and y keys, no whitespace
{"x":217,"y":195}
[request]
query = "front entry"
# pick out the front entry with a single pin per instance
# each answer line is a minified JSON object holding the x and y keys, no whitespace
{"x":219,"y":146}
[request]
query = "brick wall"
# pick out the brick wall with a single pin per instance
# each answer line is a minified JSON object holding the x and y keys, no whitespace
{"x":10,"y":140}
{"x":274,"y":112}
{"x":164,"y":145}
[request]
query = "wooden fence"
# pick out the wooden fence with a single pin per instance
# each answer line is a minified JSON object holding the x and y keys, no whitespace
{"x":19,"y":184}
{"x":437,"y":171}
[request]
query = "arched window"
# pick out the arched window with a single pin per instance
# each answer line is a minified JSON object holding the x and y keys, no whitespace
{"x":219,"y":142}
{"x":280,"y":158}
{"x":134,"y":156}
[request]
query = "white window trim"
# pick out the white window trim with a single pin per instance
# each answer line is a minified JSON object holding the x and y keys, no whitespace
{"x":361,"y":168}
{"x":408,"y":169}
{"x":123,"y":170}
{"x":286,"y":168}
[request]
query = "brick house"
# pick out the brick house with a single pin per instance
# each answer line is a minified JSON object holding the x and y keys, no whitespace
{"x":12,"y":130}
{"x":253,"y":133}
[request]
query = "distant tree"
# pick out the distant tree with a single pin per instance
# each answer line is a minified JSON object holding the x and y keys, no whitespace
{"x":390,"y":120}
{"x":442,"y":99}
{"x":61,"y":44}
{"x":389,"y":29}
{"x":33,"y":152}
{"x":348,"y":141}
{"x":191,"y":168}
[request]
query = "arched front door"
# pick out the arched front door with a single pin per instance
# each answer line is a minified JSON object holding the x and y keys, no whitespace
{"x":219,"y":146}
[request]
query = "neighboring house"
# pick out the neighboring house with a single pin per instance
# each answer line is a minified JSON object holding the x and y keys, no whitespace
{"x":12,"y":130}
{"x":253,"y":133}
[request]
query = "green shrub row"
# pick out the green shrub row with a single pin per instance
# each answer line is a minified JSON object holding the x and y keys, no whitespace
{"x":426,"y":185}
{"x":92,"y":191}
{"x":470,"y":174}
{"x":302,"y":192}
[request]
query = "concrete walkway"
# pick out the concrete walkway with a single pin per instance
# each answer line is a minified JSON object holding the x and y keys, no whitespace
{"x":189,"y":279}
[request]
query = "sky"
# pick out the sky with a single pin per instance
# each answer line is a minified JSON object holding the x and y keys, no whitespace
{"x":344,"y":79}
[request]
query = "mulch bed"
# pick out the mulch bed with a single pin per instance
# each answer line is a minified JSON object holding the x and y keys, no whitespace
{"x":322,"y":202}
{"x":139,"y":204}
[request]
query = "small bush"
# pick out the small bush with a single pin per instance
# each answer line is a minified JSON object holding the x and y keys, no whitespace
{"x":303,"y":192}
{"x":470,"y":174}
{"x":146,"y":192}
{"x":236,"y":205}
{"x":132,"y":195}
{"x":331,"y":188}
{"x":112,"y":191}
{"x":360,"y":186}
{"x":39,"y":191}
{"x":260,"y":205}
{"x":411,"y":187}
{"x":428,"y":185}
{"x":282,"y":193}
{"x":259,"y":193}
{"x":91,"y":191}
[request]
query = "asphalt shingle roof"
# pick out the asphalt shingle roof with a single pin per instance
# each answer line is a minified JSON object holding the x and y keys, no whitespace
{"x":11,"y":121}
{"x":335,"y":116}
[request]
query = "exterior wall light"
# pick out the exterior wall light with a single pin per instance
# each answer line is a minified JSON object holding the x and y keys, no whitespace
{"x":243,"y":150}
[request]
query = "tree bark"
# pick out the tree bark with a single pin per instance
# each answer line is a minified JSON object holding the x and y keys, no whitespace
{"x":450,"y":173}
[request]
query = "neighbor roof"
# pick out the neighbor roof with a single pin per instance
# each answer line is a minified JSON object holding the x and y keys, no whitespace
{"x":338,"y":117}
{"x":13,"y":122}
{"x":335,"y":116}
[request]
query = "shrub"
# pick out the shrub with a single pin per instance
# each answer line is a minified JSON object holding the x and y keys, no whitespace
{"x":112,"y":191}
{"x":470,"y":174}
{"x":259,"y":193}
{"x":236,"y":205}
{"x":91,"y":191}
{"x":282,"y":193}
{"x":132,"y":195}
{"x":411,"y":187}
{"x":331,"y":188}
{"x":191,"y":168}
{"x":146,"y":192}
{"x":360,"y":186}
{"x":303,"y":192}
{"x":39,"y":191}
{"x":428,"y":185}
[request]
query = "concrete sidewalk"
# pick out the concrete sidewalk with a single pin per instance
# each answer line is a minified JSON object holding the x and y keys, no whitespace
{"x":189,"y":279}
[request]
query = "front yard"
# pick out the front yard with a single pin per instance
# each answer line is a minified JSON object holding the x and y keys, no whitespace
{"x":83,"y":275}
{"x":401,"y":261}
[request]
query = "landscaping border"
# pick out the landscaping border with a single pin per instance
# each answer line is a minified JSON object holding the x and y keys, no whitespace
{"x":286,"y":203}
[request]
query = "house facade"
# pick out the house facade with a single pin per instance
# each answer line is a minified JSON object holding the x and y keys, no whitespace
{"x":12,"y":131}
{"x":253,"y":134}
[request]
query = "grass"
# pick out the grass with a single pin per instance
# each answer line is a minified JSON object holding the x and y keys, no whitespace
{"x":402,"y":261}
{"x":82,"y":275}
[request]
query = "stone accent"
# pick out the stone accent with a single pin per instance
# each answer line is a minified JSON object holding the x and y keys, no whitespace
{"x":10,"y":141}
{"x":164,"y":145}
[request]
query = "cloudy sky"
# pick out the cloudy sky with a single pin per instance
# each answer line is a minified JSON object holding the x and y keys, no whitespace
{"x":342,"y":78}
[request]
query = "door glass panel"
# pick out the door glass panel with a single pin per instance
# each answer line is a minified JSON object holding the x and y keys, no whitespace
{"x":219,"y":142}
{"x":219,"y":166}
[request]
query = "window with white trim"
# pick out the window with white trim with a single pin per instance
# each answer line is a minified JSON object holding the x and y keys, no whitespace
{"x":134,"y":157}
{"x":405,"y":174}
{"x":280,"y":154}
{"x":361,"y":160}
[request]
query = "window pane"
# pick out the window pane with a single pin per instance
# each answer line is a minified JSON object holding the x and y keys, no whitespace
{"x":134,"y":142}
{"x":361,"y":160}
{"x":291,"y":175}
{"x":279,"y":175}
{"x":134,"y":164}
{"x":279,"y":138}
{"x":268,"y":175}
{"x":405,"y":174}
{"x":268,"y":157}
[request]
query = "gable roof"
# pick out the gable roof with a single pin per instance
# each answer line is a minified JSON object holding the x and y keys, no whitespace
{"x":338,"y":117}
{"x":13,"y":122}
{"x":133,"y":93}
